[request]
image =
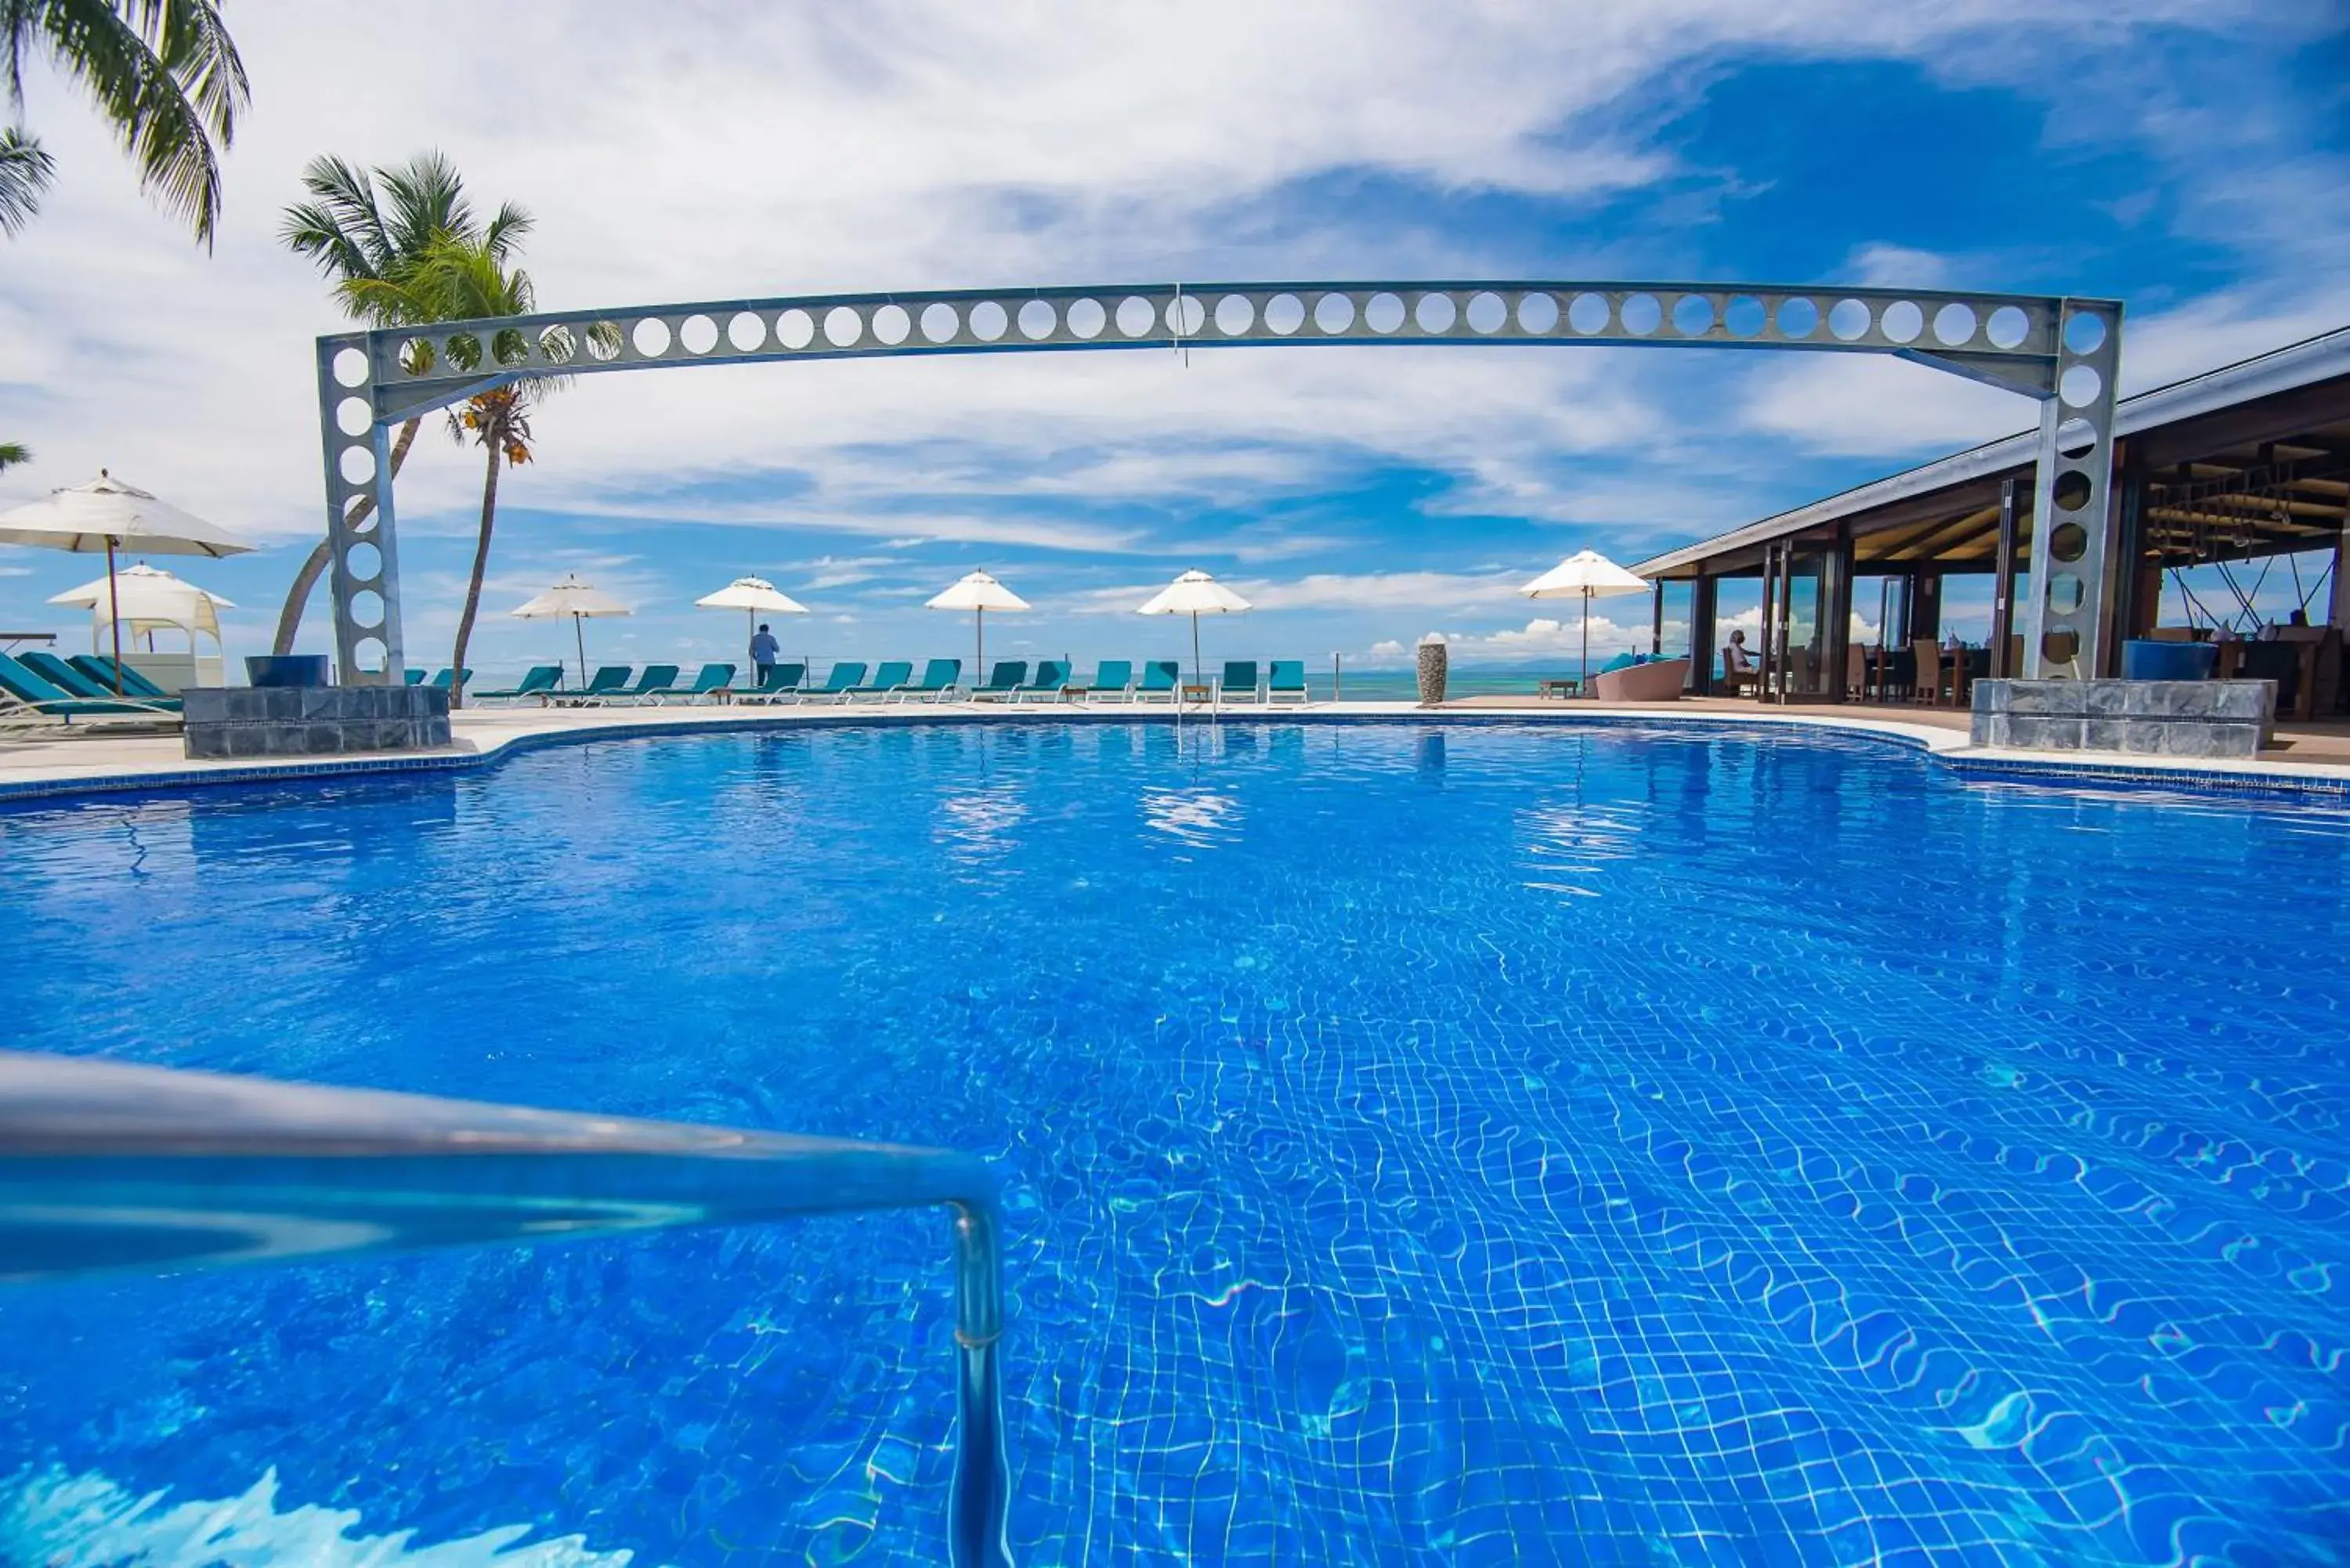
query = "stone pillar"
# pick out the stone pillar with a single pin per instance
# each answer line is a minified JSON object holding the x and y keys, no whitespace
{"x":1433,"y":657}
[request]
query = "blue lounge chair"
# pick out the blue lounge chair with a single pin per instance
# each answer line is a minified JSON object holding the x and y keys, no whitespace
{"x":26,"y":698}
{"x":1239,"y":684}
{"x":1051,"y":680}
{"x":712,"y":681}
{"x":414,"y":676}
{"x":1113,"y":681}
{"x":1002,"y":681}
{"x":893,"y":674}
{"x":610,"y":678}
{"x":1161,"y":677}
{"x":442,"y":680}
{"x":74,"y":682}
{"x":656,"y":678}
{"x":846,"y":675}
{"x":539,"y":683}
{"x":1286,"y":681}
{"x":105,"y":671}
{"x":780,"y":681}
{"x":940,"y":677}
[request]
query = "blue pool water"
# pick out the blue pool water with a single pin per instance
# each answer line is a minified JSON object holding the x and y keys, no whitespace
{"x":1466,"y":1145}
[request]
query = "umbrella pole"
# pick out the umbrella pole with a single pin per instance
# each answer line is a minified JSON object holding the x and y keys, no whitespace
{"x":1195,"y":649}
{"x":114,"y":614}
{"x":978,"y":647}
{"x":1583,"y":676}
{"x":579,"y":639}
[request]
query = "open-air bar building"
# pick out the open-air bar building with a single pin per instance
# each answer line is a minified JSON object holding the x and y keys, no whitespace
{"x":2215,"y":479}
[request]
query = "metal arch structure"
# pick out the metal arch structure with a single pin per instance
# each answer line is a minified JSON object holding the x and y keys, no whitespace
{"x":2059,"y":350}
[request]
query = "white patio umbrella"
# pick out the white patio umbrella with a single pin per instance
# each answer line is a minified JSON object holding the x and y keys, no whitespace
{"x":107,"y":514}
{"x":1194,"y":594}
{"x":751,"y":595}
{"x":147,"y":598}
{"x":1587,"y":575}
{"x":580,"y":601}
{"x":980,"y":592}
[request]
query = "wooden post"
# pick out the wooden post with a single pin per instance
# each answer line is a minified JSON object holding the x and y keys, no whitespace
{"x":2002,"y":586}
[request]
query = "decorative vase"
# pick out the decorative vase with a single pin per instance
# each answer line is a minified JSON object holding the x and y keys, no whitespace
{"x":286,"y":669}
{"x":1433,"y":657}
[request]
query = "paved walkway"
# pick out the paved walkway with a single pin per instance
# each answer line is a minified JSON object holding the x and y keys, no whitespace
{"x":2313,"y":754}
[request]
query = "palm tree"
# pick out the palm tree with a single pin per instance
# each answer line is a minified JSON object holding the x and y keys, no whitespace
{"x":462,"y":280}
{"x":371,"y":233}
{"x":164,"y":72}
{"x":25,"y":173}
{"x":13,"y":453}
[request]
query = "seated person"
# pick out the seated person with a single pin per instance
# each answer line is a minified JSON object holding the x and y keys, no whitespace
{"x":1735,"y":660}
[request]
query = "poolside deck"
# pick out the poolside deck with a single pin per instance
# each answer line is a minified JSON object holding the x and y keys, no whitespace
{"x":2306,"y":756}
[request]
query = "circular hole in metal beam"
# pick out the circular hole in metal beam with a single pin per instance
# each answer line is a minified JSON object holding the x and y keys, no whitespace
{"x":1848,"y":319}
{"x":2065,"y":593}
{"x":940,"y":322}
{"x":1037,"y":319}
{"x":2008,"y":326}
{"x":2061,"y":646}
{"x":366,"y":610}
{"x":1284,"y":314}
{"x":1235,"y":314}
{"x":1641,"y":314}
{"x":697,"y":335}
{"x":1435,"y":313}
{"x":2079,"y":386}
{"x":1136,"y":316}
{"x":370,"y":653}
{"x":1333,"y":313}
{"x":2068,"y":542}
{"x":2085,"y":332}
{"x":795,"y":329}
{"x":1383,"y":312}
{"x":1954,"y":324}
{"x":1903,"y":321}
{"x":1588,"y":314}
{"x":1798,"y":317}
{"x":1486,"y":315}
{"x":650,"y":336}
{"x":1087,"y":318}
{"x":363,"y":563}
{"x":1538,"y":312}
{"x":891,"y":324}
{"x":843,"y":326}
{"x":1186,"y":316}
{"x":357,"y":464}
{"x":2076,"y":438}
{"x":350,"y":367}
{"x":1692,"y":315}
{"x":747,"y":331}
{"x":1744,"y":317}
{"x":988,"y":321}
{"x":2072,"y":490}
{"x":352,"y":416}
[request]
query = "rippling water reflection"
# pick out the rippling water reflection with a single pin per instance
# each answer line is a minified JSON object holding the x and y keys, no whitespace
{"x":1465,"y":1145}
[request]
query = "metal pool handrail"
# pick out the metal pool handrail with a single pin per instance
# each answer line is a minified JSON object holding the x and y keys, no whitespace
{"x":107,"y":1167}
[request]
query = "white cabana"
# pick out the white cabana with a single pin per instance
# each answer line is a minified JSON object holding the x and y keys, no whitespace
{"x":106,"y":516}
{"x":1587,"y":575}
{"x":979,"y":593}
{"x":147,"y":599}
{"x":580,"y":601}
{"x":1194,"y":594}
{"x":753,"y":597}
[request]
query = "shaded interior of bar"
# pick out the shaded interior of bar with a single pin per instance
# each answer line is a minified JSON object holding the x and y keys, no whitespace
{"x":2229,"y":518}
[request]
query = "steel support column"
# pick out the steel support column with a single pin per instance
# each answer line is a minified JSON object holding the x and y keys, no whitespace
{"x":1704,"y":594}
{"x":2002,"y":589}
{"x":2069,"y":616}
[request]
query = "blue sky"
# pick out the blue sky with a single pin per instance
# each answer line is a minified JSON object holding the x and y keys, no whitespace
{"x":2188,"y":159}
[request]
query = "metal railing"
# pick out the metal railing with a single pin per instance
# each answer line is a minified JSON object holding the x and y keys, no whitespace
{"x":106,"y":1167}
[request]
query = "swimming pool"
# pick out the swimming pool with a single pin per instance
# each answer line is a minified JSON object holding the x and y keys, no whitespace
{"x":1422,"y":1144}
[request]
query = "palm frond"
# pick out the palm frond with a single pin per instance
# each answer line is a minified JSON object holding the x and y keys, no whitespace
{"x":428,"y":200}
{"x":13,"y":453}
{"x":168,"y":79}
{"x":25,"y":173}
{"x":508,"y":230}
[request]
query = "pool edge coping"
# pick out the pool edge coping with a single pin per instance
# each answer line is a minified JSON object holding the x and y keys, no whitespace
{"x":1952,"y":748}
